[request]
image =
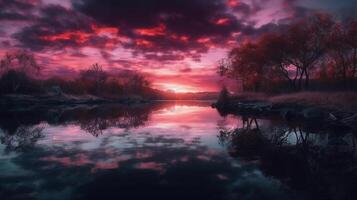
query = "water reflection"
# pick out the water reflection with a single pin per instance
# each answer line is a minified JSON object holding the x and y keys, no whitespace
{"x":169,"y":150}
{"x":21,"y":139}
{"x":318,"y":163}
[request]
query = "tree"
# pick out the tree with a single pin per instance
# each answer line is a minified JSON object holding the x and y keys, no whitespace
{"x":223,"y":96}
{"x":17,"y":67}
{"x":292,"y":54}
{"x":13,"y":80}
{"x":342,"y":52}
{"x":275,"y":47}
{"x":246,"y":63}
{"x":96,"y":75}
{"x":137,"y":84}
{"x":307,"y":41}
{"x":339,"y":52}
{"x":352,"y":42}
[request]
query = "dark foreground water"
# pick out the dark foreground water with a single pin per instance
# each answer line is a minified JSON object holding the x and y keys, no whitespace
{"x":170,"y":150}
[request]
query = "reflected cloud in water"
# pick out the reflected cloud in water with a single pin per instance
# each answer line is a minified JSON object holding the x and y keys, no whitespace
{"x":167,"y":150}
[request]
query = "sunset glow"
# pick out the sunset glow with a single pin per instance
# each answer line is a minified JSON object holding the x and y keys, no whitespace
{"x":178,"y":99}
{"x":178,"y":88}
{"x":186,"y":39}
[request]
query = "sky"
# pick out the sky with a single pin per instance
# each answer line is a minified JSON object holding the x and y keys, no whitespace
{"x":176,"y":44}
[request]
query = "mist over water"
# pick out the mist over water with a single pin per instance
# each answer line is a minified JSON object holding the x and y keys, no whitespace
{"x":170,"y":150}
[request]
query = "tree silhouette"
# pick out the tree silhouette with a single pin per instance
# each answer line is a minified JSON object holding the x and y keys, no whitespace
{"x":343,"y":52}
{"x":96,"y":75}
{"x":292,"y":54}
{"x":17,"y":67}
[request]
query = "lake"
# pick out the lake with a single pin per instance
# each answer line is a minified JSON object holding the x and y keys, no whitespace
{"x":170,"y":150}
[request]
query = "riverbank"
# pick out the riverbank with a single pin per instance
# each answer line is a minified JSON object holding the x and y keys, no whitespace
{"x":64,"y":99}
{"x":331,"y":109}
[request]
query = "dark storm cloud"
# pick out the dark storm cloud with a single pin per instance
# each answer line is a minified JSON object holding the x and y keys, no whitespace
{"x":11,"y":16}
{"x":17,"y":9}
{"x":244,"y":9}
{"x":18,"y":5}
{"x":157,"y":29}
{"x":59,"y":27}
{"x":192,"y":17}
{"x":185,"y":24}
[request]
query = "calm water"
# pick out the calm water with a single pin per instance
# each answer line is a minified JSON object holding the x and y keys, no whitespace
{"x":170,"y":150}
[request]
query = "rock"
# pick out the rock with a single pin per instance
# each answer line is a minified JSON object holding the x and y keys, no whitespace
{"x":313,"y":114}
{"x":55,"y":90}
{"x":262,"y":106}
{"x":332,"y":117}
{"x":288,"y":114}
{"x":255,"y":107}
{"x":337,"y":141}
{"x":350,"y":121}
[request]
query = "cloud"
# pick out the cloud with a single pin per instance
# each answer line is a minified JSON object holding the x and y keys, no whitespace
{"x":157,"y":29}
{"x":186,"y":70}
{"x":17,"y":9}
{"x":59,"y":27}
{"x":165,"y":26}
{"x":153,"y":36}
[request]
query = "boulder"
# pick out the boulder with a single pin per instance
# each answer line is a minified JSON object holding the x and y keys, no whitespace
{"x":288,"y":114}
{"x":313,"y":114}
{"x":55,"y":90}
{"x":350,"y":121}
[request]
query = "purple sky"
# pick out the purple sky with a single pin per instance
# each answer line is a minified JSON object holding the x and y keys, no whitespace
{"x":175,"y":43}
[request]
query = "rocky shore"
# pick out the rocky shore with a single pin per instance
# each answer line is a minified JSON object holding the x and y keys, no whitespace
{"x":290,"y":112}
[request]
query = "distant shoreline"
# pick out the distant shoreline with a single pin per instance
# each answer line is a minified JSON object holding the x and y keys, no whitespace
{"x":48,"y":100}
{"x":19,"y":100}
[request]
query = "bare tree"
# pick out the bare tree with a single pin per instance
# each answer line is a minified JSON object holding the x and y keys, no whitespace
{"x":137,"y":83}
{"x":307,"y":42}
{"x":95,"y":74}
{"x":17,"y":67}
{"x":352,"y":42}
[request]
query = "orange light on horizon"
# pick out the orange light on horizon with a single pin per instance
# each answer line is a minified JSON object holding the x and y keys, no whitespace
{"x":177,"y":88}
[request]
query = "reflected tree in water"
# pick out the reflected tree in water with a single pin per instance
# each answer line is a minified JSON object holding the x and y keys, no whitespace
{"x":22,"y":139}
{"x":95,"y":126}
{"x":96,"y":121}
{"x":246,"y":142}
{"x":92,"y":119}
{"x":322,"y":163}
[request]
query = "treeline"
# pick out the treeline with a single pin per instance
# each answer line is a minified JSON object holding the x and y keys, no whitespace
{"x":315,"y":52}
{"x":19,"y":74}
